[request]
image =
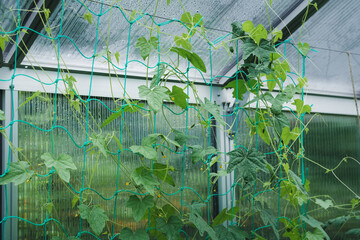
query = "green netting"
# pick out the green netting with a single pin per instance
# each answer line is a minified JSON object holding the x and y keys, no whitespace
{"x":115,"y":150}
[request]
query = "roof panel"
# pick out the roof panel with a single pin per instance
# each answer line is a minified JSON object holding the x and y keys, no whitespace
{"x":218,"y":16}
{"x":332,"y":32}
{"x":9,"y":11}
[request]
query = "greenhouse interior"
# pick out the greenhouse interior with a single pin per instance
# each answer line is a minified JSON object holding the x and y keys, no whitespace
{"x":180,"y":119}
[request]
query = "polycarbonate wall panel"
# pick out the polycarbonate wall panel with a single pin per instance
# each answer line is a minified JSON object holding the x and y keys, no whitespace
{"x":330,"y":139}
{"x":100,"y":172}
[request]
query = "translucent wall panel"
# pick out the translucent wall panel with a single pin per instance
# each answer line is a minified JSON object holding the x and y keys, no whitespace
{"x":330,"y":139}
{"x":49,"y":192}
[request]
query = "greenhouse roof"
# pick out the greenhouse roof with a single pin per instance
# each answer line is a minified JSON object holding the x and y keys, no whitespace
{"x":330,"y":31}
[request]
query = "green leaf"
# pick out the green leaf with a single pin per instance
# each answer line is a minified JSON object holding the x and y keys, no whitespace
{"x":258,"y":33}
{"x":225,"y":215}
{"x":155,"y":212}
{"x":118,"y":143}
{"x":117,"y":56}
{"x":278,"y":34}
{"x":47,"y":13}
{"x":171,"y":227}
{"x":28,"y":99}
{"x":167,"y":2}
{"x":324,"y":204}
{"x":183,"y":41}
{"x":276,"y":103}
{"x":262,"y":51}
{"x":155,"y":97}
{"x":48,"y":207}
{"x":70,"y":81}
{"x":181,"y":138}
{"x":316,"y":235}
{"x":230,"y":233}
{"x":220,"y":173}
{"x":261,"y":129}
{"x":354,"y":232}
{"x":159,"y":170}
{"x":303,"y":48}
{"x":96,"y":217}
{"x":195,"y":206}
{"x":289,"y":91}
{"x":198,"y":19}
{"x":281,"y":69}
{"x":3,"y":39}
{"x":302,"y":82}
{"x":146,"y":46}
{"x":18,"y":173}
{"x":248,"y":163}
{"x":128,"y":234}
{"x":337,"y":222}
{"x":191,"y":56}
{"x":143,"y":176}
{"x":133,"y":107}
{"x":158,"y":72}
{"x":88,"y":17}
{"x":237,"y":30}
{"x":179,"y":97}
{"x":150,"y":139}
{"x":75,"y":104}
{"x":75,"y":199}
{"x":286,"y":135}
{"x":298,"y":182}
{"x":269,"y":218}
{"x":315,"y":224}
{"x":62,"y":164}
{"x":316,"y":6}
{"x":257,"y":69}
{"x":239,"y":87}
{"x":300,"y":107}
{"x":198,"y":152}
{"x":132,"y":15}
{"x":272,"y":80}
{"x":186,"y":17}
{"x":248,"y":26}
{"x":98,"y":140}
{"x":280,"y":121}
{"x":196,"y":218}
{"x":291,"y":231}
{"x":214,"y":110}
{"x":154,"y":42}
{"x":146,"y":151}
{"x":140,"y":206}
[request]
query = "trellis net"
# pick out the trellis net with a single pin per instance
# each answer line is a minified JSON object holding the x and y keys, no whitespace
{"x":92,"y":167}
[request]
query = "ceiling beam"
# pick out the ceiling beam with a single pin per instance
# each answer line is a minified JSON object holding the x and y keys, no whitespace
{"x":290,"y":23}
{"x":33,"y":20}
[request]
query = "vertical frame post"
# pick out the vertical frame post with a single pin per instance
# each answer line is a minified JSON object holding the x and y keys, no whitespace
{"x":9,"y":193}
